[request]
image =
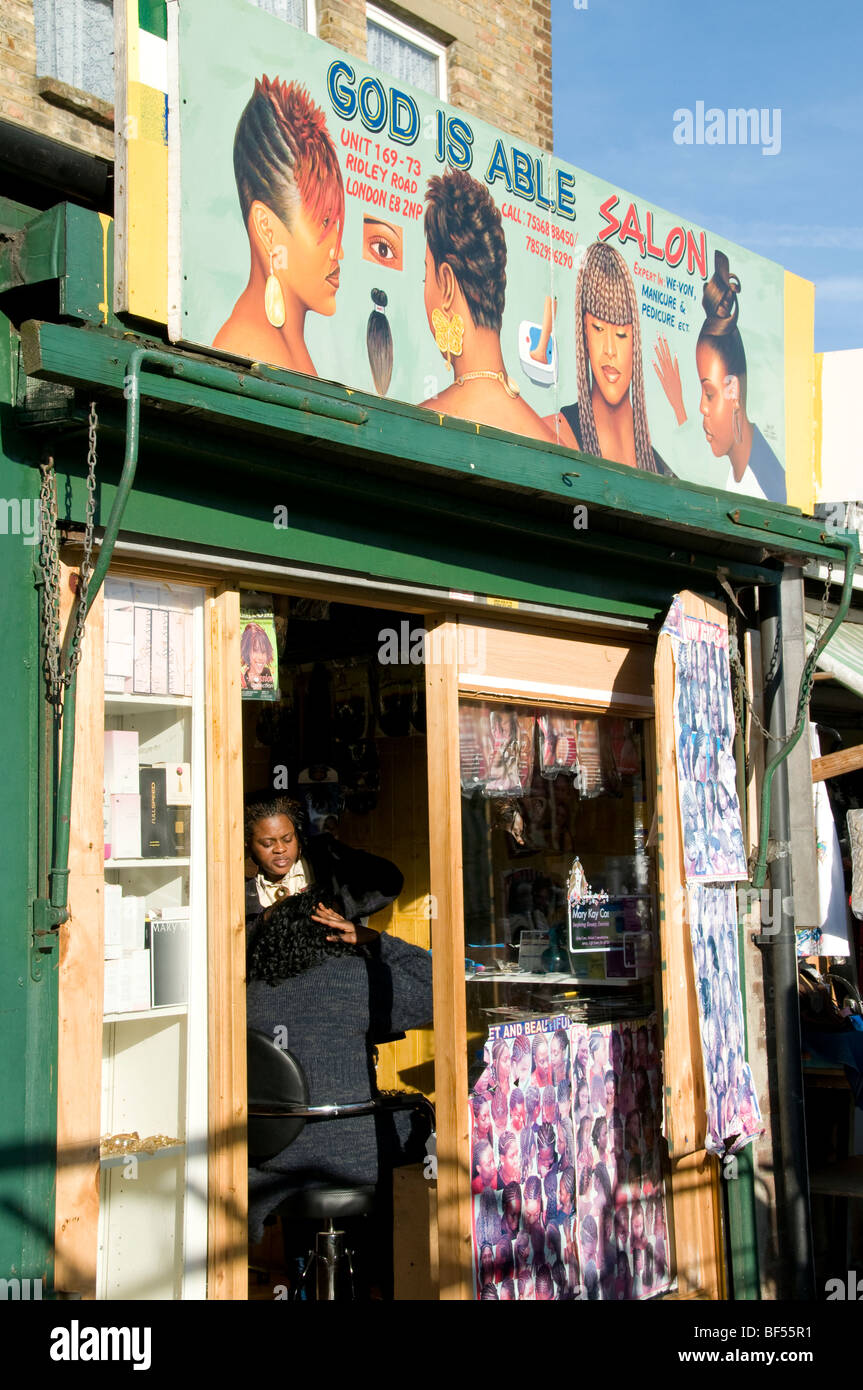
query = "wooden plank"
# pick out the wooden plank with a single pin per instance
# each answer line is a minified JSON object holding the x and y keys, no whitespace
{"x":596,"y":672}
{"x":81,"y":979}
{"x":445,"y":855}
{"x":693,"y":1172}
{"x":837,"y":764}
{"x":227,"y":1269}
{"x":458,"y":448}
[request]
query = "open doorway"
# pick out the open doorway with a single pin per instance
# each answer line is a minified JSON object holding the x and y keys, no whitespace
{"x":333,"y":720}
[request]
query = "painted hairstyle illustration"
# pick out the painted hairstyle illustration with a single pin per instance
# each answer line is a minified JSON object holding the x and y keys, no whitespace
{"x":379,"y":343}
{"x":604,"y":289}
{"x":721,"y":309}
{"x":284,"y":157}
{"x":464,"y":229}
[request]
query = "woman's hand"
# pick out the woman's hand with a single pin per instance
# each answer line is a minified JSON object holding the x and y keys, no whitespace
{"x":340,"y":929}
{"x":669,"y":379}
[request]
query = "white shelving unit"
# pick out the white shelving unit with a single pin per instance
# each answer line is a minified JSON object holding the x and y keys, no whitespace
{"x":153,"y":1208}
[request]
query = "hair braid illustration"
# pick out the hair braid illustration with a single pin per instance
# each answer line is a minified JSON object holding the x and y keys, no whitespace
{"x":605,"y":290}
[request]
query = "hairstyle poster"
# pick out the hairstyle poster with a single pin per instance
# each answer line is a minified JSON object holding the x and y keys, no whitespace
{"x":733,"y":1113}
{"x":335,"y":222}
{"x":259,"y":673}
{"x":568,"y":1196}
{"x":704,"y":730}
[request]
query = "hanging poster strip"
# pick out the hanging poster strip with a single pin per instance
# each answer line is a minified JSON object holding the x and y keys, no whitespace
{"x":706,"y":771}
{"x":733,"y":1113}
{"x":568,"y":1193}
{"x":713,"y":858}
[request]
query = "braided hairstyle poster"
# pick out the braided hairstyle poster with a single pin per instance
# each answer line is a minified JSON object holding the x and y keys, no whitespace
{"x":566,"y":1173}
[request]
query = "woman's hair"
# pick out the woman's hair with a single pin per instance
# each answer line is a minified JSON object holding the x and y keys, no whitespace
{"x":562,"y":1039}
{"x":488,"y":1294}
{"x":499,"y":1107}
{"x":507,"y":1141}
{"x":379,"y":342}
{"x":290,"y":942}
{"x":545,"y":1137}
{"x":478,"y":1099}
{"x":516,"y":1097}
{"x":254,"y":638}
{"x":284,"y":157}
{"x":263,"y":806}
{"x":463,"y":228}
{"x":567,"y":1181}
{"x":533,"y":1189}
{"x":604,"y":289}
{"x":721,"y":309}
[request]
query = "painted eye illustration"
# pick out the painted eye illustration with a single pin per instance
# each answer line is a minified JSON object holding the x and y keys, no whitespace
{"x":382,"y":243}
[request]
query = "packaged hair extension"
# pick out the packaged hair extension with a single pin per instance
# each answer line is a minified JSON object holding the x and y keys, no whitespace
{"x":379,"y":342}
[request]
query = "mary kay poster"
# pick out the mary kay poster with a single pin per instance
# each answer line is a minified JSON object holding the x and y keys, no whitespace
{"x":259,"y":670}
{"x":334,"y":222}
{"x":704,"y":730}
{"x":568,"y":1196}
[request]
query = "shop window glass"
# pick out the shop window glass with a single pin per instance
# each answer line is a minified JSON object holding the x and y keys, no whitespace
{"x":75,"y":43}
{"x":564,"y":1050}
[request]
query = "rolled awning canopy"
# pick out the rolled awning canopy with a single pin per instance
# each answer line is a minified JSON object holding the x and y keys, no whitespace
{"x":843,"y":655}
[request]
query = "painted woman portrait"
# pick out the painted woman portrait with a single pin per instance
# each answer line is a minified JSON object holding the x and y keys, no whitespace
{"x":722,"y":374}
{"x":609,"y":419}
{"x":292,"y":198}
{"x":465,"y":292}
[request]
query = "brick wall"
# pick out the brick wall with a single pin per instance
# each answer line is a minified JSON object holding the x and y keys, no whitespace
{"x":43,"y":105}
{"x":498,"y":66}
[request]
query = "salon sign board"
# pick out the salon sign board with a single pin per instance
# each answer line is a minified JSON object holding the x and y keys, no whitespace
{"x":325,"y":218}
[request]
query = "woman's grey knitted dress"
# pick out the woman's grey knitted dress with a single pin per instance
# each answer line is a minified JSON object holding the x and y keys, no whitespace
{"x":334,"y":1014}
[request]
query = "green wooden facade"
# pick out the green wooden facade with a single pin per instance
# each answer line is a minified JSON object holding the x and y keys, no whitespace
{"x":373,"y":488}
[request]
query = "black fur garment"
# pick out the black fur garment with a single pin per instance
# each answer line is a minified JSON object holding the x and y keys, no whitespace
{"x":290,"y":941}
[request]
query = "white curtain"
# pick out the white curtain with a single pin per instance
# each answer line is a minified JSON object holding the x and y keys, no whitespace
{"x":403,"y":60}
{"x":292,"y":11}
{"x":75,"y":43}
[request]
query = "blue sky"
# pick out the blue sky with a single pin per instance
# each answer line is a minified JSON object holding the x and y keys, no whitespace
{"x":621,"y":68}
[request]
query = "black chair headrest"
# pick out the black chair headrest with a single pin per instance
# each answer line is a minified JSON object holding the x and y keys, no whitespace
{"x":275,"y":1079}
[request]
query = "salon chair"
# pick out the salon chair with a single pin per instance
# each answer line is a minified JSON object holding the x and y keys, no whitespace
{"x":278,"y":1111}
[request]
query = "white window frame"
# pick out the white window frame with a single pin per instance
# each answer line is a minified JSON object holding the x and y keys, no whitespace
{"x":404,"y":31}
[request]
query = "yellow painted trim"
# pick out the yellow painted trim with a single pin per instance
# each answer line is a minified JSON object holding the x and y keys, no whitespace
{"x":106,"y":223}
{"x":147,"y":254}
{"x":800,"y":392}
{"x":818,"y":422}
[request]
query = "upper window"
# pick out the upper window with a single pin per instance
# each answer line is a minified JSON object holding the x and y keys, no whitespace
{"x":75,"y":43}
{"x":298,"y":12}
{"x":405,"y":53}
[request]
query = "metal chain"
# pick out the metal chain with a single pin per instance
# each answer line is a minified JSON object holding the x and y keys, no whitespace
{"x":741,"y":699}
{"x":58,"y":674}
{"x":49,"y":562}
{"x":86,"y":569}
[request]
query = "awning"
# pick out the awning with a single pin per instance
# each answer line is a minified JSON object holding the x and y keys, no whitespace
{"x":843,"y":655}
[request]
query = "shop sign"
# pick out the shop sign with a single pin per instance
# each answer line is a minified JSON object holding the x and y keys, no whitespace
{"x":328,"y":219}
